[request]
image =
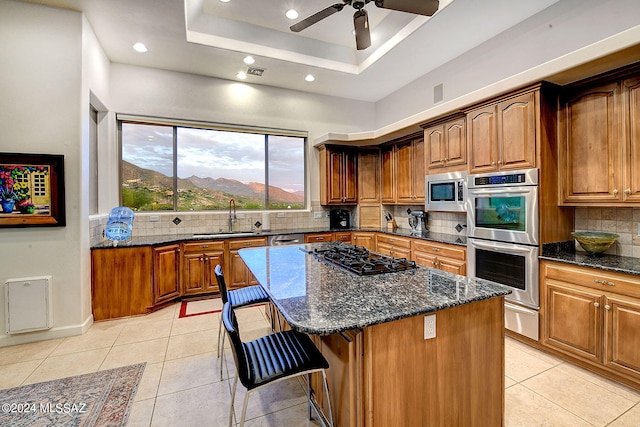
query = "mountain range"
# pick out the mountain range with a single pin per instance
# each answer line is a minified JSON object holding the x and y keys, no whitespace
{"x":215,"y":189}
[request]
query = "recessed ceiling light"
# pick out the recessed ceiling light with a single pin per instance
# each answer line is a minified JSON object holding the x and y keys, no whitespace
{"x":241,"y":75}
{"x":249,"y":60}
{"x":140,"y":47}
{"x":225,"y":1}
{"x":309,"y":78}
{"x":292,"y":14}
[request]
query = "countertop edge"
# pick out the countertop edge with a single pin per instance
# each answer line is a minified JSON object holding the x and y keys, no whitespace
{"x":159,"y":240}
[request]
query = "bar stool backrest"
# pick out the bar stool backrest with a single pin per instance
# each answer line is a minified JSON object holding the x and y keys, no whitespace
{"x":231,"y":325}
{"x":222,"y":285}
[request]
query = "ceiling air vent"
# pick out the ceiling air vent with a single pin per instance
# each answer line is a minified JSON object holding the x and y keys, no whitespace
{"x":254,"y":71}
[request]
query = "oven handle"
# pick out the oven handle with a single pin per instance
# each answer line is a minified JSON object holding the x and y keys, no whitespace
{"x":499,"y":191}
{"x":496,"y":246}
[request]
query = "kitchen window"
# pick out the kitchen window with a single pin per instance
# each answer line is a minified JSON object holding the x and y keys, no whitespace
{"x":182,"y":166}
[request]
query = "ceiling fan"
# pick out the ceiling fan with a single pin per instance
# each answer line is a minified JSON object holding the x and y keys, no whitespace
{"x":360,"y":18}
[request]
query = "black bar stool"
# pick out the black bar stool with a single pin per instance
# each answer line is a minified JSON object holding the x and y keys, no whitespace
{"x":238,"y":298}
{"x":274,"y":357}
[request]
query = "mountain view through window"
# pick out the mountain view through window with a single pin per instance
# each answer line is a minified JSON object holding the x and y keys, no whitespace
{"x":194,"y":169}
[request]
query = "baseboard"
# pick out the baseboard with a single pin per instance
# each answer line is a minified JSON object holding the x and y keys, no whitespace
{"x":53,"y":333}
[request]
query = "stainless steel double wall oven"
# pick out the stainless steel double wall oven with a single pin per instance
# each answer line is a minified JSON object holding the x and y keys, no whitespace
{"x":502,"y":221}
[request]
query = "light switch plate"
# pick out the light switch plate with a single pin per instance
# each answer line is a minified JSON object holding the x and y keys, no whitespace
{"x":429,"y":326}
{"x":318,"y":215}
{"x":280,"y":215}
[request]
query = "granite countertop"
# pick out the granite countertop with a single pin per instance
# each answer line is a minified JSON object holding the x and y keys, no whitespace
{"x":177,"y":238}
{"x":321,"y":299}
{"x":566,"y":252}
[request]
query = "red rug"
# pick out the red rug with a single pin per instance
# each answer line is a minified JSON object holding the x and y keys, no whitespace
{"x":199,"y":307}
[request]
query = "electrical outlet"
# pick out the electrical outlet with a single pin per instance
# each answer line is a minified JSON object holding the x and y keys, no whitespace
{"x":240,"y":216}
{"x":318,"y":215}
{"x":154,"y":218}
{"x":280,"y":215}
{"x":429,"y":326}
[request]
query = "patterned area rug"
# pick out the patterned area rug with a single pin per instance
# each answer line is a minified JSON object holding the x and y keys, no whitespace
{"x":101,"y":398}
{"x":196,"y":308}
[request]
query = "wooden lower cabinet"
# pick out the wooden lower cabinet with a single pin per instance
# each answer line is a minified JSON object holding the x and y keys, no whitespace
{"x":389,"y":375}
{"x":121,"y":282}
{"x":365,"y":239}
{"x":451,"y":258}
{"x":399,"y":247}
{"x":237,"y":274}
{"x":166,"y":273}
{"x":199,"y":259}
{"x":344,"y":353}
{"x":593,"y":317}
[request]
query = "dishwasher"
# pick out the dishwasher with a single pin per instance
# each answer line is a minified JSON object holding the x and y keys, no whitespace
{"x":286,"y":239}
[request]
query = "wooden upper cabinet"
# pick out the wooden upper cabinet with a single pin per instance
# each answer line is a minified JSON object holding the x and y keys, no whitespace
{"x":591,"y":146}
{"x":369,"y":176}
{"x":517,"y":132}
{"x":446,"y":146}
{"x":338,"y":179}
{"x":388,"y":177}
{"x":502,"y":135}
{"x":631,"y":109}
{"x":410,"y":171}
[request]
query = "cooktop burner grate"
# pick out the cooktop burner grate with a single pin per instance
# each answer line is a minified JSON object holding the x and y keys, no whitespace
{"x":359,"y":260}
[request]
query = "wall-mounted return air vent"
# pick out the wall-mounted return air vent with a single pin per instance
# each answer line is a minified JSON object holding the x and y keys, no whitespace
{"x":255,"y":71}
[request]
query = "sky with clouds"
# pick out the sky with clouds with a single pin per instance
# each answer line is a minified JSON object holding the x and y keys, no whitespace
{"x":216,"y":154}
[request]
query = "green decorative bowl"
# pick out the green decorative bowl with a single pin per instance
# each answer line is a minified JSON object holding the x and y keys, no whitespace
{"x":595,"y":242}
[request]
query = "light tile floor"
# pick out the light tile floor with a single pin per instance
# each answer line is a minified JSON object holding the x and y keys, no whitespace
{"x":181,"y":384}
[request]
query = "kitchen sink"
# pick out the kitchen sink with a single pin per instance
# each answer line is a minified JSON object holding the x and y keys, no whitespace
{"x":223,"y":235}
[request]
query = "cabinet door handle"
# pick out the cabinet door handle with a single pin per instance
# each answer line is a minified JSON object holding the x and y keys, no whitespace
{"x":499,"y":162}
{"x":627,"y":191}
{"x":446,"y":159}
{"x":604,"y":282}
{"x":607,"y":307}
{"x":596,"y":304}
{"x":615,"y":191}
{"x":435,"y":249}
{"x":493,"y":163}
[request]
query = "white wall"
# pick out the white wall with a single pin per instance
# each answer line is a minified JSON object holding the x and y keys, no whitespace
{"x":146,"y":91}
{"x":556,"y":31}
{"x":40,"y":53}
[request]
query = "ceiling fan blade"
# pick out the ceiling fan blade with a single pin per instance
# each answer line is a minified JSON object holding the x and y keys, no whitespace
{"x":419,"y":7}
{"x":361,"y":25}
{"x":310,"y":20}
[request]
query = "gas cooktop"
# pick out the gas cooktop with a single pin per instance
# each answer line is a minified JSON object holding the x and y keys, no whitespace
{"x":359,"y":260}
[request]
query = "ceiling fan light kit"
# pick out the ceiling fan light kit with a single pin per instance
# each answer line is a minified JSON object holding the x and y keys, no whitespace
{"x":360,"y":18}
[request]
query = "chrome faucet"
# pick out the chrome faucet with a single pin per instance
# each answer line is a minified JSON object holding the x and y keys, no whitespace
{"x":232,"y":216}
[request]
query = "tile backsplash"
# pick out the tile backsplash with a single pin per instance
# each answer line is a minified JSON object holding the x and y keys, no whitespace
{"x":161,"y":224}
{"x":622,"y":221}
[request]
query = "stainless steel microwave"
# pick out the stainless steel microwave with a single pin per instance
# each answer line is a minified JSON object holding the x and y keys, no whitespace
{"x":446,"y":192}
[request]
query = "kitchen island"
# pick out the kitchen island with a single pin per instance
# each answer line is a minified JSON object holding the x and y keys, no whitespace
{"x":371,"y":329}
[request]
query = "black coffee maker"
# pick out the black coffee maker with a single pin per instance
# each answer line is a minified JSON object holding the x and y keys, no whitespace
{"x":339,"y":219}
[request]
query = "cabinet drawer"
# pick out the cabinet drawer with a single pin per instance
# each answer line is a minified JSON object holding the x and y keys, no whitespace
{"x":342,"y":237}
{"x":247,"y":243}
{"x":398,"y":242}
{"x":593,"y":278}
{"x":321,"y":237}
{"x":203,"y":246}
{"x":440,"y":249}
